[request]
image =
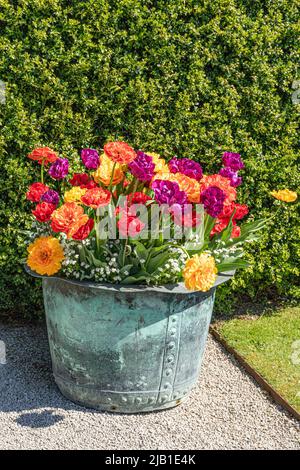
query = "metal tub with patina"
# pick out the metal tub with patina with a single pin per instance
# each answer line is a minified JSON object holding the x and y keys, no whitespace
{"x":127,"y":349}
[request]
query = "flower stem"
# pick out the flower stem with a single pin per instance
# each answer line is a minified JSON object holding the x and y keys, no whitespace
{"x":98,"y":243}
{"x":160,"y":227}
{"x":42,"y":171}
{"x":112,"y":177}
{"x":133,"y":190}
{"x":185,"y":251}
{"x":124,"y":252}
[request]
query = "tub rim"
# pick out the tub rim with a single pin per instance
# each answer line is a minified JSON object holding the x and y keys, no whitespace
{"x":178,"y":288}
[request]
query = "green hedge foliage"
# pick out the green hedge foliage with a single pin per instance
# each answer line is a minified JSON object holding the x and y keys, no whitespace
{"x":191,"y":78}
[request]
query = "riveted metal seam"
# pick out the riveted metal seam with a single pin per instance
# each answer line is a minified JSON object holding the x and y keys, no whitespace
{"x":163,"y":361}
{"x":178,"y":345}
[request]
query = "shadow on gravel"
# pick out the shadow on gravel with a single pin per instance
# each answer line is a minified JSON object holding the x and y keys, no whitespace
{"x":44,"y":419}
{"x":26,"y":380}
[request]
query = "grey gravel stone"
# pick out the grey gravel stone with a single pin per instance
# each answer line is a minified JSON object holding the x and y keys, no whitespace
{"x":227,"y":410}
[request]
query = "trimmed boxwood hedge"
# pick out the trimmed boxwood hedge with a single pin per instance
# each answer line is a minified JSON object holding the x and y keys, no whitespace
{"x":191,"y":78}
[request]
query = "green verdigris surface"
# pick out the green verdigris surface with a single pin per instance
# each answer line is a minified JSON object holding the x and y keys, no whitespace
{"x":126,"y":349}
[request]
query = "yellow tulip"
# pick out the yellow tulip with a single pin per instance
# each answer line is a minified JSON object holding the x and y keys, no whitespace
{"x":284,"y":195}
{"x":200,"y":272}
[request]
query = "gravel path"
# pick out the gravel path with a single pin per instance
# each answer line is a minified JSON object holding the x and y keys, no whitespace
{"x":226,"y":411}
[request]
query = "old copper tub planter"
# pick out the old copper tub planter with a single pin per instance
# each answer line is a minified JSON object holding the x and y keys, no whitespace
{"x":127,"y":349}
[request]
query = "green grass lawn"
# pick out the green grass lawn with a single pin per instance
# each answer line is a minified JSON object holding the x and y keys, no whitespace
{"x":271,"y":344}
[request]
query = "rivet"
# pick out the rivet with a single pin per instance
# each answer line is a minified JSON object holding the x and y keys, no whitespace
{"x":171,"y":345}
{"x":167,"y":385}
{"x":151,"y":400}
{"x":124,"y":399}
{"x":173,"y":332}
{"x":168,"y":372}
{"x":164,"y":398}
{"x":138,"y":400}
{"x":170,"y":359}
{"x":108,"y":400}
{"x":173,"y":320}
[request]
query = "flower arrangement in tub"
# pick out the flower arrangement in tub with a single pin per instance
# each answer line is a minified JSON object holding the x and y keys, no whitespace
{"x":66,"y":238}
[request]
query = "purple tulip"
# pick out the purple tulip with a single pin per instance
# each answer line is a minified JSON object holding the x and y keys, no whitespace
{"x":51,"y":196}
{"x":168,"y":192}
{"x":233,"y":161}
{"x":213,"y":200}
{"x":235,"y":180}
{"x":142,"y":167}
{"x":59,"y":169}
{"x":187,"y":167}
{"x":90,"y":158}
